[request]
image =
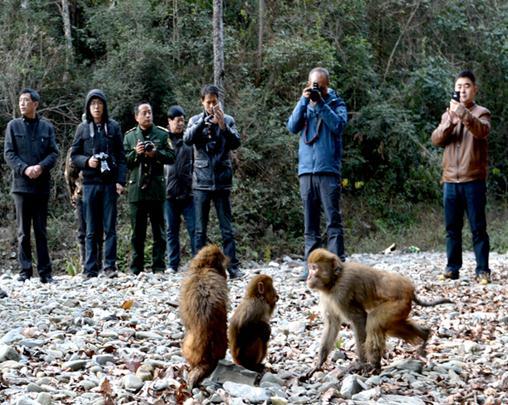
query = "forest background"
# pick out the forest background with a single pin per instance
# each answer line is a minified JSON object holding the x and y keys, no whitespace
{"x":393,"y":61}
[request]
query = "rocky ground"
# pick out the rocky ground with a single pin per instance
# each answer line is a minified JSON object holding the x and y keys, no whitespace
{"x":117,"y":341}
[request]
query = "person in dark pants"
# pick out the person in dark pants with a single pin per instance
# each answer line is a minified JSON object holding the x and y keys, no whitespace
{"x":320,"y":116}
{"x":74,"y":179}
{"x":31,"y":152}
{"x":213,"y":135}
{"x":147,"y":150}
{"x":98,"y":152}
{"x":179,"y":200}
{"x":463,"y":133}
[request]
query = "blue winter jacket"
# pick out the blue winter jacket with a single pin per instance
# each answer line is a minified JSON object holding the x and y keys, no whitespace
{"x":320,"y":150}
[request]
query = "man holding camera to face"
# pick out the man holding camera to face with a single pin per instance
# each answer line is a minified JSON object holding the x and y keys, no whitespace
{"x":213,"y":135}
{"x":463,"y":133}
{"x":320,"y":117}
{"x":98,"y":152}
{"x":147,"y":151}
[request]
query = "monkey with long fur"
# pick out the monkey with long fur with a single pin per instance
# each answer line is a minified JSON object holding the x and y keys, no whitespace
{"x":376,"y":303}
{"x":249,"y":327}
{"x":203,"y":310}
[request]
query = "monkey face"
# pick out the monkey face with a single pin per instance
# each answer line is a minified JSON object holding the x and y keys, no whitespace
{"x":271,"y":295}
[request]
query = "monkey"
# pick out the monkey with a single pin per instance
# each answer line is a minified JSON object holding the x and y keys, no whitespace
{"x":249,"y":327}
{"x":203,"y":310}
{"x":376,"y":303}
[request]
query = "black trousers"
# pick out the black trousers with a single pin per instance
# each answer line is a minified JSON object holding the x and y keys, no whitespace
{"x":32,"y":209}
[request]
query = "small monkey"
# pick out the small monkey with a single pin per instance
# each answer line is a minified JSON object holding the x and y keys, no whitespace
{"x":376,"y":303}
{"x":203,"y":309}
{"x":249,"y":328}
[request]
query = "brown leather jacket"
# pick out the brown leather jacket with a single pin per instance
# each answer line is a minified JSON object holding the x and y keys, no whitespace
{"x":465,"y":156}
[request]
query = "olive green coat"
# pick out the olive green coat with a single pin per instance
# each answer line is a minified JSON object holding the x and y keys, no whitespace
{"x":155,"y":189}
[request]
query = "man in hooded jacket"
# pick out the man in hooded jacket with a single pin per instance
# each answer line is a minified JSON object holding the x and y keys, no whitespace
{"x":98,"y":152}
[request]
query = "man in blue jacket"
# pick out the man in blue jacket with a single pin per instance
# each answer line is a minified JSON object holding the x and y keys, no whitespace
{"x":31,"y":152}
{"x":320,"y":117}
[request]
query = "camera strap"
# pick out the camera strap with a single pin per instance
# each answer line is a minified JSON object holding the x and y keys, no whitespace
{"x":314,"y":137}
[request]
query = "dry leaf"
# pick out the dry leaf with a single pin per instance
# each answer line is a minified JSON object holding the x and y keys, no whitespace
{"x":127,"y":304}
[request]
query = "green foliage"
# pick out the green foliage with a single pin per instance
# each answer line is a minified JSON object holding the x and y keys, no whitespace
{"x":393,"y":61}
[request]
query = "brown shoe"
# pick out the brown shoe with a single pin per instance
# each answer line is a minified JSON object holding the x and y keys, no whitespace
{"x":483,"y":278}
{"x":448,"y":275}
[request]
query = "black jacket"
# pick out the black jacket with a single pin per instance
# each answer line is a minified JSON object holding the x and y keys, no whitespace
{"x":29,"y":143}
{"x":179,"y":174}
{"x":213,"y":169}
{"x":90,"y":140}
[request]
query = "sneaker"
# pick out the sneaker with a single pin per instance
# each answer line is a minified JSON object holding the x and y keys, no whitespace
{"x":171,"y":270}
{"x":235,"y":273}
{"x":47,"y":279}
{"x":448,"y":275}
{"x":88,"y":276}
{"x":24,"y":276}
{"x":483,"y":278}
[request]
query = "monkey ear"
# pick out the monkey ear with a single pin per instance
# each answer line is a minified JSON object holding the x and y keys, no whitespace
{"x":261,"y":288}
{"x":337,"y":264}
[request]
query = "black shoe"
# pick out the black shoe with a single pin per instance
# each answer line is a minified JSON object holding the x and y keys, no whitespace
{"x":88,"y":276}
{"x":23,"y":276}
{"x":3,"y":294}
{"x":111,"y":272}
{"x":47,"y":279}
{"x":235,"y":273}
{"x":303,"y":276}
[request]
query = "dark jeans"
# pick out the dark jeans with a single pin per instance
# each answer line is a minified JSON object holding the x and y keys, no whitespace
{"x":173,"y":212}
{"x":222,"y":202}
{"x":140,"y":211}
{"x":469,"y":198}
{"x":322,"y":191}
{"x":99,"y":205}
{"x":32,"y":209}
{"x":81,"y":233}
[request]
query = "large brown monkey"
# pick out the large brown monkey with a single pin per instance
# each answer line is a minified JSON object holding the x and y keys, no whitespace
{"x":203,"y":309}
{"x":376,"y":303}
{"x":249,"y":328}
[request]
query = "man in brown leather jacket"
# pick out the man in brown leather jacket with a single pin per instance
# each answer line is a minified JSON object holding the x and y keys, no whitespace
{"x":463,"y":132}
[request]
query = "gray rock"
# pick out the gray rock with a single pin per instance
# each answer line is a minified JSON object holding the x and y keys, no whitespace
{"x":12,"y":336}
{"x":272,"y":378}
{"x":75,"y":365}
{"x":145,"y":372}
{"x":350,"y":386}
{"x":31,"y":387}
{"x":32,"y":342}
{"x":132,"y":383}
{"x":44,"y":398}
{"x":10,"y":365}
{"x":26,"y":401}
{"x":88,"y":384}
{"x":102,"y":359}
{"x":147,"y":335}
{"x":247,"y":392}
{"x":8,"y":353}
{"x":399,"y":399}
{"x":278,"y":401}
{"x":367,"y":395}
{"x":227,"y":371}
{"x":409,"y":365}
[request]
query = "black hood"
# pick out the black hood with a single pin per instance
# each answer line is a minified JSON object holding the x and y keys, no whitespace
{"x":96,"y":93}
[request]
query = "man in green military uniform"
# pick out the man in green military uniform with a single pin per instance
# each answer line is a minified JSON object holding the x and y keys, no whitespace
{"x":147,"y":151}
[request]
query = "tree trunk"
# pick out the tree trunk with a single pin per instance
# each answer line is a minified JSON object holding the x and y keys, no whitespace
{"x":64,"y":10}
{"x":218,"y":46}
{"x":261,"y":20}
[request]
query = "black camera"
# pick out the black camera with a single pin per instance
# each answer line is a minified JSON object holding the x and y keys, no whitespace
{"x":208,"y":120}
{"x":103,"y":158}
{"x":148,"y":146}
{"x":315,"y":92}
{"x":456,"y":96}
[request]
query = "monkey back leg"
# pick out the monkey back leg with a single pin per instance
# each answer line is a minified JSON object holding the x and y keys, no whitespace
{"x":379,"y":321}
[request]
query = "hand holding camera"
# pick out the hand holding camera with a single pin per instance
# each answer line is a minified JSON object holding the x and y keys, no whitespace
{"x":456,"y":109}
{"x":103,"y":159}
{"x":313,"y":93}
{"x":146,"y":148}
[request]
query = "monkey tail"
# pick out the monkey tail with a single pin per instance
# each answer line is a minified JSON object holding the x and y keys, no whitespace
{"x":432,"y":303}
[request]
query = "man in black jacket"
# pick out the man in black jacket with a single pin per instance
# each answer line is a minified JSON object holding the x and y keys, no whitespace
{"x":31,"y":152}
{"x":98,"y":152}
{"x":178,"y":189}
{"x":214,"y":136}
